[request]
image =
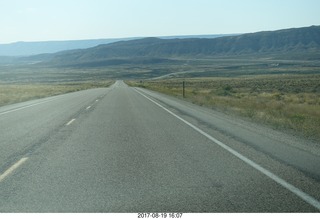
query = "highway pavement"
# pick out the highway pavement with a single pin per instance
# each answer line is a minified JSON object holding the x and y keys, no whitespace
{"x":123,"y":149}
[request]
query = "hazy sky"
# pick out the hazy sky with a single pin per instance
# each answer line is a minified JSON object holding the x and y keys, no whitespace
{"x":42,"y":20}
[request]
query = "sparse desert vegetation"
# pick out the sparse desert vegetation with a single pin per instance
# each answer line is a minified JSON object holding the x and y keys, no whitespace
{"x":290,"y":102}
{"x":14,"y":93}
{"x":283,"y":94}
{"x":27,"y":82}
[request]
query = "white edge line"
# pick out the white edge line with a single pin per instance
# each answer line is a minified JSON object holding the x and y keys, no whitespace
{"x":71,"y":121}
{"x":24,"y":107}
{"x":12,"y":168}
{"x":304,"y":196}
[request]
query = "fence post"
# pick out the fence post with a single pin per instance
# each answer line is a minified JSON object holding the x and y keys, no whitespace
{"x":183,"y":89}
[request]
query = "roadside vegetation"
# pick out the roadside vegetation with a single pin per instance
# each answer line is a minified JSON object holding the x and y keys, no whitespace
{"x":282,"y":93}
{"x":286,"y":102}
{"x":14,"y":93}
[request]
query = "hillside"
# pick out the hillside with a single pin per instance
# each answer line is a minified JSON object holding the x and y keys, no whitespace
{"x":35,"y":48}
{"x":296,"y":43}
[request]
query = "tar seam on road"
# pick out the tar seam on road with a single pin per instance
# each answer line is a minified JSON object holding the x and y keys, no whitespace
{"x":304,"y":196}
{"x":12,"y":168}
{"x":71,"y":121}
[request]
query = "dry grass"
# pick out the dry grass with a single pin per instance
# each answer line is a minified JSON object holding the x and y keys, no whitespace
{"x":14,"y":93}
{"x":290,"y":102}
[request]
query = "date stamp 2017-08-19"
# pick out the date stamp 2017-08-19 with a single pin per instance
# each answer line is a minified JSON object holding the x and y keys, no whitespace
{"x":160,"y":215}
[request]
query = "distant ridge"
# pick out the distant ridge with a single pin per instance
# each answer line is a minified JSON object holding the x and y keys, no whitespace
{"x":301,"y":43}
{"x":35,"y":48}
{"x":291,"y":44}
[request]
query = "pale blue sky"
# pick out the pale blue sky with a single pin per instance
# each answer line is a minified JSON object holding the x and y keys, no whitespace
{"x":42,"y":20}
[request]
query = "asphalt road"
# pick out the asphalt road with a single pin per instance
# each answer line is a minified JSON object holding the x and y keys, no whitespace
{"x":123,"y":149}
